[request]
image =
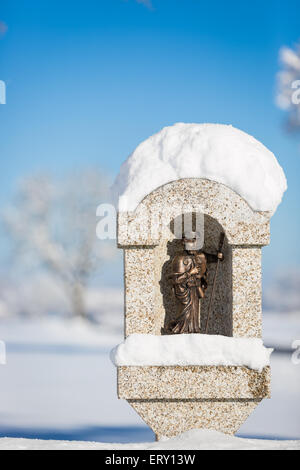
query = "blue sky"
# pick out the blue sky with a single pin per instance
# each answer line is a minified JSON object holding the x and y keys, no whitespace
{"x":87,"y":81}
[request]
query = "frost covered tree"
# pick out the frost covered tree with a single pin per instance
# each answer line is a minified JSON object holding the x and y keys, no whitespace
{"x":52,"y":226}
{"x":288,"y":94}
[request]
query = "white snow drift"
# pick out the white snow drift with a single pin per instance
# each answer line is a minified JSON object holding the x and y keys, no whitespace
{"x":191,"y":349}
{"x":196,"y":439}
{"x":216,"y":152}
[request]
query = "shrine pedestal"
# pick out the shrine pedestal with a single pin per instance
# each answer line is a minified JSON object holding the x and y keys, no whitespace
{"x":174,"y":399}
{"x":231,"y":184}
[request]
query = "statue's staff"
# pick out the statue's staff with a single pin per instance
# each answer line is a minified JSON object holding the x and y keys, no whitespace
{"x":221,"y":242}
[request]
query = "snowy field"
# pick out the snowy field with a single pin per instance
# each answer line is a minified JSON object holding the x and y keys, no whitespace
{"x":196,"y":439}
{"x":59,"y":384}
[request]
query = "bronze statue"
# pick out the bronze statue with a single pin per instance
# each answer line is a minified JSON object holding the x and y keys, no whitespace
{"x":189,"y":281}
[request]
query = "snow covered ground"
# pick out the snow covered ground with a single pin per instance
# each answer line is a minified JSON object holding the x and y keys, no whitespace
{"x":195,"y":439}
{"x":281,"y":329}
{"x":59,"y":383}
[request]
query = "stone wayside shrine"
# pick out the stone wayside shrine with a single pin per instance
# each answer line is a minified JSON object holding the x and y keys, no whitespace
{"x":193,"y":356}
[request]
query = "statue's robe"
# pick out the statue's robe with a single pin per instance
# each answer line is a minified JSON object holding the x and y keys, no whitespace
{"x":189,"y":289}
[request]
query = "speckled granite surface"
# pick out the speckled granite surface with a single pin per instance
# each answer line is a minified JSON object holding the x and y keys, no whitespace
{"x":192,"y":382}
{"x":172,"y":400}
{"x":171,"y":417}
{"x":242,"y":225}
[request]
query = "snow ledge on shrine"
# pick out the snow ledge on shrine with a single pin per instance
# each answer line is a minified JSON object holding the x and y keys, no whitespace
{"x":191,"y":349}
{"x":215,"y":152}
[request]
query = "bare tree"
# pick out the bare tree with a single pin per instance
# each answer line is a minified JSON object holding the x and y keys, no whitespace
{"x":52,"y":224}
{"x":288,"y":94}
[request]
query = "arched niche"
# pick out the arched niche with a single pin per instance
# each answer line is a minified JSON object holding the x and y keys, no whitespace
{"x":220,"y":322}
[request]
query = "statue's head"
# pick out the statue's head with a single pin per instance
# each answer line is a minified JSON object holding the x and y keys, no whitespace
{"x":192,"y":241}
